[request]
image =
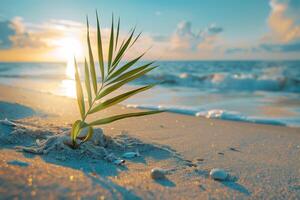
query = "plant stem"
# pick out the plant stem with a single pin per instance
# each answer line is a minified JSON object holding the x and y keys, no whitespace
{"x":86,"y":114}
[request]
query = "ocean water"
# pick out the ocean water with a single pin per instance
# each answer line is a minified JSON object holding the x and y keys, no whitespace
{"x":265,"y":92}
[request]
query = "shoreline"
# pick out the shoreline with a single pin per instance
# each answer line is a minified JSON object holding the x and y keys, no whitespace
{"x":263,"y":158}
{"x":211,"y":114}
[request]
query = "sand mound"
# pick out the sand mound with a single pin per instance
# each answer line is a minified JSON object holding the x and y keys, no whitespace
{"x":53,"y":143}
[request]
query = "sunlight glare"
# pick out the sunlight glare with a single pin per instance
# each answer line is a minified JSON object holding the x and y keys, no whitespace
{"x":68,"y":88}
{"x":70,"y":70}
{"x":68,"y":48}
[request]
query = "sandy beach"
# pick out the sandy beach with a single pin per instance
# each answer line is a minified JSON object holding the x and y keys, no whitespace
{"x":262,"y":160}
{"x":130,"y":100}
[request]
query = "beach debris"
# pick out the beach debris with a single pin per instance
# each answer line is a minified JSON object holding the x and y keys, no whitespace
{"x":158,"y":173}
{"x":131,"y":154}
{"x":233,"y":149}
{"x":200,"y":159}
{"x":221,"y":153}
{"x":218,"y":174}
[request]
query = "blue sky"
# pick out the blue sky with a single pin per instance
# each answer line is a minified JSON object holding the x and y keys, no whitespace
{"x":153,"y":16}
{"x":247,"y":29}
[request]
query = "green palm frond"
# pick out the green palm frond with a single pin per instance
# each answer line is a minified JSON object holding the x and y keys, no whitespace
{"x":92,"y":63}
{"x":113,"y":77}
{"x":100,"y":51}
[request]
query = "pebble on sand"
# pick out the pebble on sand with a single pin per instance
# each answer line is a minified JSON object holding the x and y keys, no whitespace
{"x":218,"y":174}
{"x":157,"y":173}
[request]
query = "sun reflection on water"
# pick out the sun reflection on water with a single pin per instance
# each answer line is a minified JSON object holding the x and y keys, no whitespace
{"x":68,"y":48}
{"x":68,"y":88}
{"x":70,"y":69}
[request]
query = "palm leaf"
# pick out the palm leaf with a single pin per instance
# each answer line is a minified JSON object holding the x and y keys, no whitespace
{"x":118,"y":99}
{"x":92,"y":64}
{"x":124,"y":67}
{"x":75,"y":130}
{"x":100,"y":51}
{"x":118,"y":30}
{"x":132,"y":72}
{"x":123,"y":116}
{"x":136,"y":38}
{"x":121,"y":83}
{"x":121,"y":52}
{"x":87,"y":82}
{"x":80,"y":98}
{"x":89,"y":134}
{"x":111,"y":80}
{"x":111,"y":44}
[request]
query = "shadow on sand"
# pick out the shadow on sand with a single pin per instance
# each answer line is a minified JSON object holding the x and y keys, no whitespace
{"x":13,"y":111}
{"x":14,"y":136}
{"x":236,"y":187}
{"x":166,"y":182}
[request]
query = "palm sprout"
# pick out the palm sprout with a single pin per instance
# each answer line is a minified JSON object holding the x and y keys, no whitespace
{"x":113,"y":77}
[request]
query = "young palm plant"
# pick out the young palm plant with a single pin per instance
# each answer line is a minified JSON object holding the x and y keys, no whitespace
{"x":113,"y":77}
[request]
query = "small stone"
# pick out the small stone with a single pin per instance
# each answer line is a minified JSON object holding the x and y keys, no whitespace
{"x":157,"y":173}
{"x":218,"y":174}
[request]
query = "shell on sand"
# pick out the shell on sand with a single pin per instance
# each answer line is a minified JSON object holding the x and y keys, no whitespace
{"x":218,"y":174}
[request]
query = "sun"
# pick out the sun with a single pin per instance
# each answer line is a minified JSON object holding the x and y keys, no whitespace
{"x":67,"y":49}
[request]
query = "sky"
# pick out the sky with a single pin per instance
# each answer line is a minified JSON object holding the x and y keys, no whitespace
{"x":55,"y":30}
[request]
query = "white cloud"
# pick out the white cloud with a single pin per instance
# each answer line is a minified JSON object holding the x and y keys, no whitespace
{"x":51,"y":35}
{"x":282,"y":23}
{"x":185,"y":39}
